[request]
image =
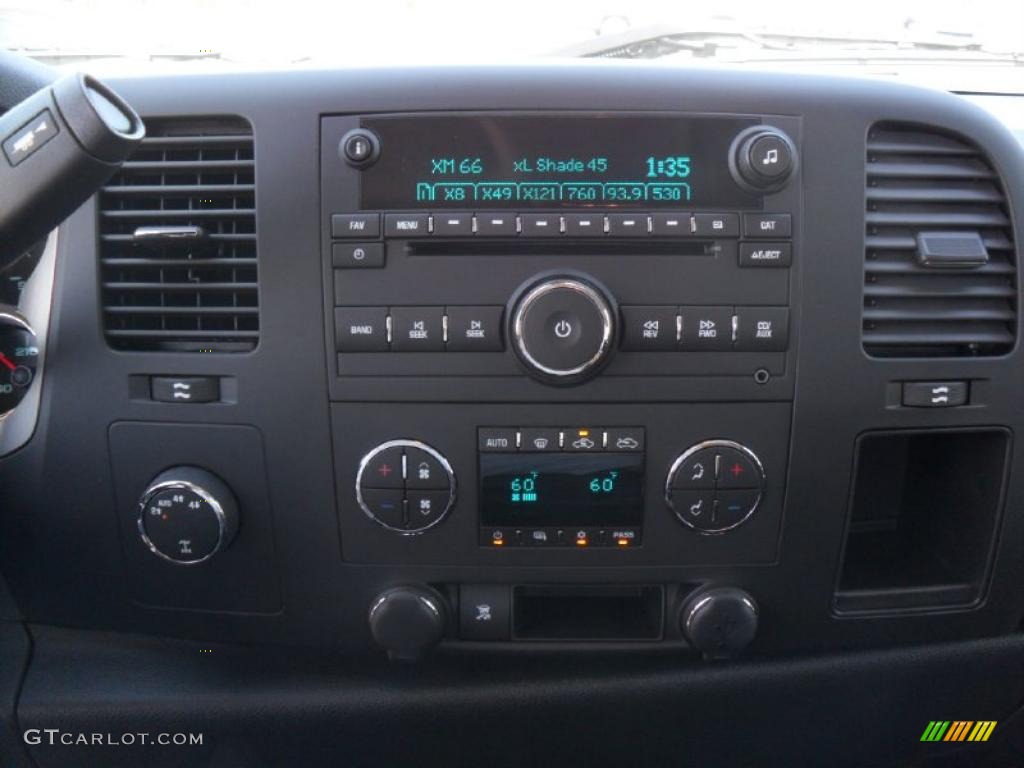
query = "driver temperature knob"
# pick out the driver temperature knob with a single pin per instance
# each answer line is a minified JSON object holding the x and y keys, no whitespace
{"x":563,"y":329}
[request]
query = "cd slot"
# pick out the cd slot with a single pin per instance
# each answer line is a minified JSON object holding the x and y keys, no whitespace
{"x":561,"y":247}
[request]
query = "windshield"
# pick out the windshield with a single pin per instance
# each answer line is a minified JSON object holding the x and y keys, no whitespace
{"x":969,"y":46}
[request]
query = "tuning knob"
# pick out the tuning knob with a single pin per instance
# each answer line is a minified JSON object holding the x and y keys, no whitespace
{"x":187,"y":515}
{"x":563,"y":329}
{"x":762,"y":159}
{"x":408,"y":621}
{"x":719,"y":621}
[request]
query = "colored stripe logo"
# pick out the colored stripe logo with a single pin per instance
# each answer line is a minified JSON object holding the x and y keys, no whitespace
{"x":958,"y":730}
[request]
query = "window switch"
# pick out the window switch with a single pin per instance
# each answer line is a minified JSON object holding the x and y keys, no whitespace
{"x":185,"y":389}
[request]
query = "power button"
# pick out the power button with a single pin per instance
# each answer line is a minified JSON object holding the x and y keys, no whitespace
{"x":562,"y":329}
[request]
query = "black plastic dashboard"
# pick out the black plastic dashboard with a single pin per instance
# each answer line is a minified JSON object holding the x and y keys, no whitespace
{"x":885,"y":497}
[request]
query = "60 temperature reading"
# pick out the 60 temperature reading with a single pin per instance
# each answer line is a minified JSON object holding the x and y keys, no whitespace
{"x":604,"y":484}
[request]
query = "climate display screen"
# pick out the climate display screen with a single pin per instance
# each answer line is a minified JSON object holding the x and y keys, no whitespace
{"x":561,"y":489}
{"x":573,"y":161}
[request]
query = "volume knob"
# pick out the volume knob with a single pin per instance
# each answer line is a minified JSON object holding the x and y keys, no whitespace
{"x":563,"y":330}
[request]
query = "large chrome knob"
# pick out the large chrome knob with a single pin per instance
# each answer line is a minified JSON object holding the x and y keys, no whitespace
{"x":719,"y":621}
{"x":563,"y":330}
{"x":187,"y":515}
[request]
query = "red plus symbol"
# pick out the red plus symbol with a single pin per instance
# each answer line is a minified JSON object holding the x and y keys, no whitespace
{"x":736,"y":470}
{"x":384,"y":470}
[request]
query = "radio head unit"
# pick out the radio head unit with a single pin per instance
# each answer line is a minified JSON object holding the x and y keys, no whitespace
{"x":551,"y":161}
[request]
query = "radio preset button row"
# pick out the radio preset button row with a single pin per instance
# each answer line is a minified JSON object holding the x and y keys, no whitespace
{"x":418,"y":329}
{"x":567,"y":439}
{"x":557,"y":224}
{"x":707,"y":329}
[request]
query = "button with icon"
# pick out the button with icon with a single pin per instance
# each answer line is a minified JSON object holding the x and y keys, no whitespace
{"x":357,"y":255}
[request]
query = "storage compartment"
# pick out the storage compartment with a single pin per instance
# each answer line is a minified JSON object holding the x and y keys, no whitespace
{"x":923,"y":519}
{"x":587,"y":612}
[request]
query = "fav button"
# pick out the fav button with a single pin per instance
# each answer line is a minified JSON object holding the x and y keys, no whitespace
{"x":355,"y":225}
{"x":541,"y":224}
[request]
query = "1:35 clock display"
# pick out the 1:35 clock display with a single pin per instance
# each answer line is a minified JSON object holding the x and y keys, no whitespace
{"x":671,"y":167}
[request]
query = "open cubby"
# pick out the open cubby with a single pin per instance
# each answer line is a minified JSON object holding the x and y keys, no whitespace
{"x":923,"y":519}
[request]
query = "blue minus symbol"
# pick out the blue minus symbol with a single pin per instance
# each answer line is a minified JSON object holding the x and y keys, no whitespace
{"x":735,"y":507}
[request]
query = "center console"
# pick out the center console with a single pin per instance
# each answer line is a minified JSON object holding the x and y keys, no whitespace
{"x":497,"y":359}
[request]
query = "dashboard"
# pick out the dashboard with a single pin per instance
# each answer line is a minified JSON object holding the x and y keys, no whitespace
{"x":427,"y":364}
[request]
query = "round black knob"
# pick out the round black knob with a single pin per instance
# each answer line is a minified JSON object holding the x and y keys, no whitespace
{"x":762,"y":159}
{"x":187,"y":515}
{"x":359,"y":147}
{"x":407,"y":621}
{"x":563,"y":329}
{"x":719,"y":621}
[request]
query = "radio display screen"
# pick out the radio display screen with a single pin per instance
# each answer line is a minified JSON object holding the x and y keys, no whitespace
{"x":561,"y":489}
{"x":553,"y":161}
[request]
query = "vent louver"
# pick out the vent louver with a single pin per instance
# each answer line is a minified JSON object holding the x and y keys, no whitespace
{"x":929,"y":191}
{"x":178,"y":240}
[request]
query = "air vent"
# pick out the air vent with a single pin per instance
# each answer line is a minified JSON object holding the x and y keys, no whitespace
{"x":178,"y":240}
{"x":940,"y":272}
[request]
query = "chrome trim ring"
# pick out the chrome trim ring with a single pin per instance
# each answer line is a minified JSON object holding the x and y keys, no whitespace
{"x":198,"y":490}
{"x":405,"y":444}
{"x":538,"y":291}
{"x":716,"y":443}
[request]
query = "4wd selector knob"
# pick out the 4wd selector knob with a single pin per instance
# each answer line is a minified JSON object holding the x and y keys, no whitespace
{"x":563,"y":329}
{"x":762,"y":159}
{"x":187,"y":515}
